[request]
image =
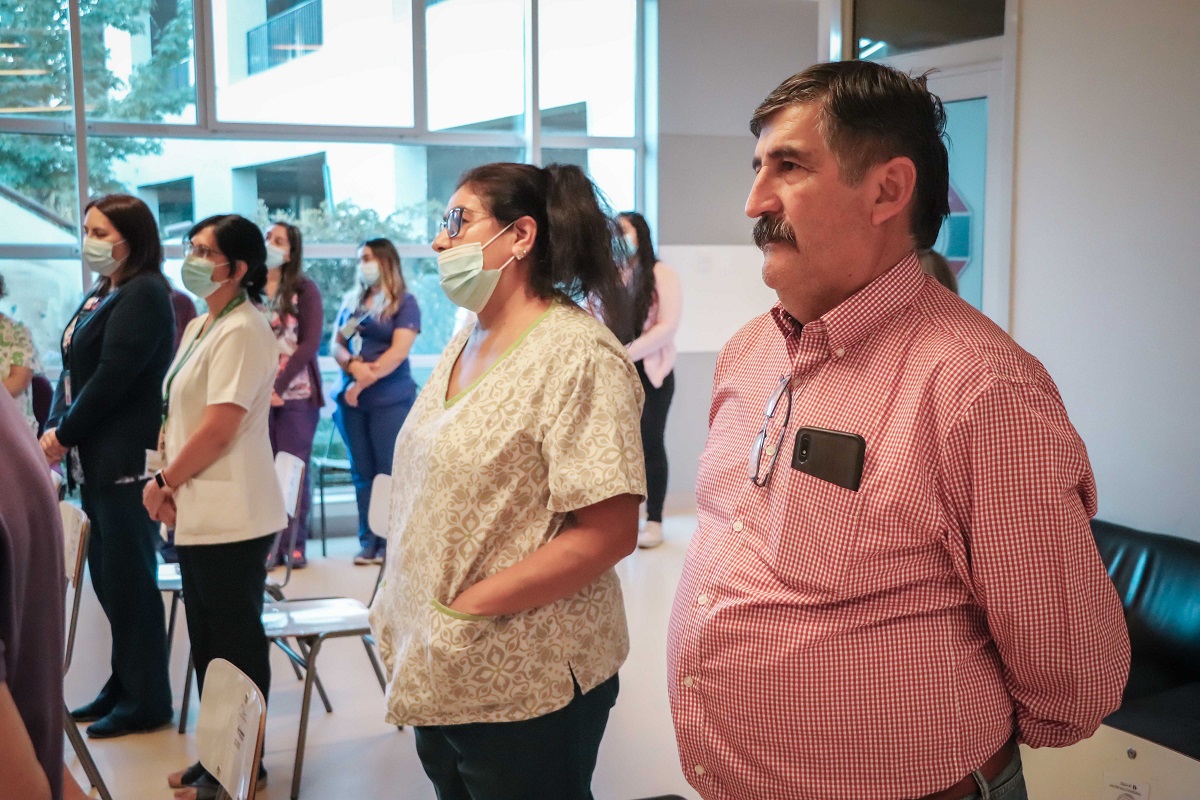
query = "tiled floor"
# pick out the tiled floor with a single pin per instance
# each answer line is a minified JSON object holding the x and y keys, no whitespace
{"x":351,"y":752}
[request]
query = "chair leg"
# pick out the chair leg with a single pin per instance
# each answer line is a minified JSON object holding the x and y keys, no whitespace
{"x":171,"y":622}
{"x":187,"y":695}
{"x":85,"y":756}
{"x":375,"y":663}
{"x":309,"y":680}
{"x":321,"y":483}
{"x":311,"y":670}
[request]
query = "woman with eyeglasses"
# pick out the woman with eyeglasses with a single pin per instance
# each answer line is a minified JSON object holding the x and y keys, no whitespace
{"x":374,"y":332}
{"x":515,"y":490}
{"x":656,"y":300}
{"x":218,"y":486}
{"x":294,"y":310}
{"x":104,"y":422}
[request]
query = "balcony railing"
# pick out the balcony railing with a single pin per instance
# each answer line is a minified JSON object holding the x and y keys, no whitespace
{"x":293,"y":34}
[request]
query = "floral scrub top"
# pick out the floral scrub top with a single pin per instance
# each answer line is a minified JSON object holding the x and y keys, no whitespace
{"x":481,"y":481}
{"x":17,"y":350}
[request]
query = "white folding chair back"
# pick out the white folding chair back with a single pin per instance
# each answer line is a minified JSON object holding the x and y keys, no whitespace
{"x":381,"y":505}
{"x":290,"y":471}
{"x":229,"y":730}
{"x":75,"y":535}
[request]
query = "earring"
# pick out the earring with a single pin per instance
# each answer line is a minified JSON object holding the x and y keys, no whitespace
{"x":521,"y":255}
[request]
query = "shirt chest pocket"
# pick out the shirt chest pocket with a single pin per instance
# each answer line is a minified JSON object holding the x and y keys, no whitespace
{"x":814,"y":542}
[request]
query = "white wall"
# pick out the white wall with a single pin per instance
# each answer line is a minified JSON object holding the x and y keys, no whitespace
{"x":1106,"y":289}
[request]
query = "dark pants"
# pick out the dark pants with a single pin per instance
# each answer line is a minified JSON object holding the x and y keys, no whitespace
{"x":293,"y":426}
{"x":370,"y":435}
{"x":654,"y":427}
{"x":124,"y":574}
{"x":549,"y":756}
{"x":223,"y":599}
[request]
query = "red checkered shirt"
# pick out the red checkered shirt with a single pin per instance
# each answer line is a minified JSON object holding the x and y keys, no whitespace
{"x":883,"y":643}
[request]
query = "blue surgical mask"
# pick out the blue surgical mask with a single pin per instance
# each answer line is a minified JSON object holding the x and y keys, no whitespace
{"x":631,"y":243}
{"x":98,"y":255}
{"x":197,"y":276}
{"x":463,"y":278}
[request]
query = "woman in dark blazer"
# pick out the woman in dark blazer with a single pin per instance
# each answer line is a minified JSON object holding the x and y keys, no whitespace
{"x":105,"y":421}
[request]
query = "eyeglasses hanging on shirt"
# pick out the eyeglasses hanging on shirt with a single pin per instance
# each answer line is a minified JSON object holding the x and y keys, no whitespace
{"x":757,"y":449}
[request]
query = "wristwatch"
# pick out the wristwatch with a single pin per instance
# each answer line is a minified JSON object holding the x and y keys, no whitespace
{"x":161,"y":481}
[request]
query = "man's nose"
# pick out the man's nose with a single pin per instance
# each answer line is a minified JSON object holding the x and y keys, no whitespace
{"x":763,"y":198}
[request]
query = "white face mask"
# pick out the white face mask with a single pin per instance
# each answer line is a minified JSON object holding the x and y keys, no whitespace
{"x":463,"y":278}
{"x":197,"y":273}
{"x":98,"y":255}
{"x":275,"y":257}
{"x":368,"y":272}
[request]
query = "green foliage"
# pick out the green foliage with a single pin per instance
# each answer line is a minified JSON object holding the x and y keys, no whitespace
{"x":43,"y":167}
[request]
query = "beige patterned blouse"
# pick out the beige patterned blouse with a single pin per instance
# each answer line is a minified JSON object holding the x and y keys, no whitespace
{"x":479,"y":483}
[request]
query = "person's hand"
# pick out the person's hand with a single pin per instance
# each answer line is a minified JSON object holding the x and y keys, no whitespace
{"x":51,"y":447}
{"x":166,"y":512}
{"x":351,"y":395}
{"x":276,"y":400}
{"x":362,"y":373}
{"x":154,"y":497}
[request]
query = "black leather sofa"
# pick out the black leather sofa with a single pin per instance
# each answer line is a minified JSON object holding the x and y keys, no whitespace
{"x":1158,"y":580}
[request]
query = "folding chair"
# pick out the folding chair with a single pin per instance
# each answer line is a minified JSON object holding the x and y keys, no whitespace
{"x":76,"y":529}
{"x":324,"y":465}
{"x":289,"y":471}
{"x":229,"y":730}
{"x":312,"y":622}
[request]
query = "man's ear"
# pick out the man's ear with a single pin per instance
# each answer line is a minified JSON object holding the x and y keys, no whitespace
{"x":893,"y":184}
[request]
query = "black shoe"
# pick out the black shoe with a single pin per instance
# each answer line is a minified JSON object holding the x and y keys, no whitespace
{"x":187,"y":777}
{"x":112,"y":725}
{"x":365,"y":556}
{"x":207,"y":788}
{"x":100,"y":707}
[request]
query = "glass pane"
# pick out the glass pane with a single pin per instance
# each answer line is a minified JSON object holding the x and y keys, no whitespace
{"x":39,"y":198}
{"x":476,"y":64}
{"x":137,"y":60}
{"x":888,"y":27}
{"x":338,"y":194}
{"x":42,"y":294}
{"x":314,"y":62}
{"x":586,"y":83}
{"x":35,"y":60}
{"x":961,"y":237}
{"x":611,"y":170}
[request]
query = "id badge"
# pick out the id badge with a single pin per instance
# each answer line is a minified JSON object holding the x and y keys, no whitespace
{"x":349,"y":328}
{"x":154,"y":461}
{"x":67,"y":386}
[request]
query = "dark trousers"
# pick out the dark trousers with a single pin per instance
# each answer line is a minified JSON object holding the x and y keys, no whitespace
{"x":223,"y":599}
{"x":370,"y":435}
{"x":124,"y":574}
{"x":550,"y":756}
{"x":292,"y":427}
{"x":654,"y":428}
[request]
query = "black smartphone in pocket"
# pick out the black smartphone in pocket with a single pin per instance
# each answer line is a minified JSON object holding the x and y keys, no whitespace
{"x":833,"y":456}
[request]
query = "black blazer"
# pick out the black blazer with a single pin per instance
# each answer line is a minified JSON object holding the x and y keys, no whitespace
{"x":117,"y":360}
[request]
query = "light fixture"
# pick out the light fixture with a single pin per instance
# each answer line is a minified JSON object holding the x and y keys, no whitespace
{"x":870,"y":50}
{"x":15,"y":72}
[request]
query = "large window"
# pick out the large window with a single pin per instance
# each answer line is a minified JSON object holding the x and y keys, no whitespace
{"x":350,"y":118}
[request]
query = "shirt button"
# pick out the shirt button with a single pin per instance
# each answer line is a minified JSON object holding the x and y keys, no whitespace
{"x":699,"y":769}
{"x":702,"y":600}
{"x":738,"y":525}
{"x":689,"y":681}
{"x":770,"y":450}
{"x":841,"y":351}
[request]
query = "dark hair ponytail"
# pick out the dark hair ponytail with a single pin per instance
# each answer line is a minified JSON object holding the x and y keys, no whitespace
{"x":573,"y":255}
{"x":240,"y":240}
{"x":642,"y":289}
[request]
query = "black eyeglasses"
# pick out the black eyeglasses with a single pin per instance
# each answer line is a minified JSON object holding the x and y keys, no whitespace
{"x":757,"y":476}
{"x":453,"y":221}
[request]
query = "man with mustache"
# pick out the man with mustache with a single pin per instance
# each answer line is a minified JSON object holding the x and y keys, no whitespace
{"x":893,"y":581}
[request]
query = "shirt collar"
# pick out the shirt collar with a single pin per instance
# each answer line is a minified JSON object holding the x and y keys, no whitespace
{"x":858,"y":315}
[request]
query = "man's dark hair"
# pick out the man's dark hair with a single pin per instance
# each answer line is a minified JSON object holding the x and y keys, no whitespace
{"x":869,"y":114}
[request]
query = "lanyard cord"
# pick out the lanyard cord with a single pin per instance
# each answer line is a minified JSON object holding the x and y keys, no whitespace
{"x":230,"y":306}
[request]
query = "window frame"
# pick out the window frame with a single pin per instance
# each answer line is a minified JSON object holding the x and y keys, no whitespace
{"x":207,"y":126}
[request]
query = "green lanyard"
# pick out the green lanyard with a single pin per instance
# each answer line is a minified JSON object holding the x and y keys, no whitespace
{"x":230,"y":306}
